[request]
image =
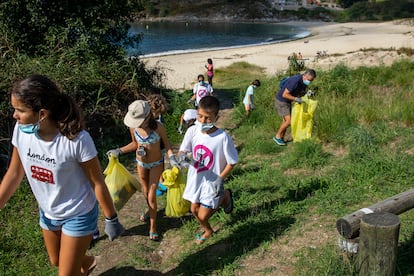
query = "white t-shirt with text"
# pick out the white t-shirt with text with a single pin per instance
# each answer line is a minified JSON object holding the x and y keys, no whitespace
{"x":53,"y":171}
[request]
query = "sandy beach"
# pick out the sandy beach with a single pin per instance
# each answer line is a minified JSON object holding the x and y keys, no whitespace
{"x":342,"y":43}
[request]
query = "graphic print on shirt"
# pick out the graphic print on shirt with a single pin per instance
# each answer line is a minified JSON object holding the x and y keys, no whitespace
{"x":41,"y":174}
{"x":203,"y":158}
{"x":202,"y":92}
{"x":38,"y":172}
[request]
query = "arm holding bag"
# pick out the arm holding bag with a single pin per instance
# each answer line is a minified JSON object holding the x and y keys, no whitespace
{"x":120,"y":182}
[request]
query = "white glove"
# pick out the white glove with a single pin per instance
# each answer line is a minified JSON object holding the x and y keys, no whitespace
{"x":298,"y":100}
{"x":174,"y":162}
{"x":184,"y":161}
{"x":180,"y":129}
{"x":114,"y":152}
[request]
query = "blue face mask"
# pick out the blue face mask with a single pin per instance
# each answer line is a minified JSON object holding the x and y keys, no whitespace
{"x":201,"y":82}
{"x":204,"y":127}
{"x":306,"y":82}
{"x":30,"y":128}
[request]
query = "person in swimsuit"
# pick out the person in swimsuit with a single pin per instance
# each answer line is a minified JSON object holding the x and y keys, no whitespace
{"x":146,"y":137}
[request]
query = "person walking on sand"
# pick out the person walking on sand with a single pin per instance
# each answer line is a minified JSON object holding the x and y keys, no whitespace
{"x":214,"y":157}
{"x":60,"y":162}
{"x":248,"y":100}
{"x":147,"y":138}
{"x":210,"y":71}
{"x":291,"y":91}
{"x":200,"y":90}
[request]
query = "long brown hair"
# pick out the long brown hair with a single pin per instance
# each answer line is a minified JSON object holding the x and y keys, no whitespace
{"x":38,"y":91}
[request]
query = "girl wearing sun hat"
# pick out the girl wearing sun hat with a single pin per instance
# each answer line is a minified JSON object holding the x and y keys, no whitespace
{"x":147,"y":136}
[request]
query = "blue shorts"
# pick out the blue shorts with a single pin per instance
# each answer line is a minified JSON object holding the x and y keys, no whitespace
{"x":78,"y":226}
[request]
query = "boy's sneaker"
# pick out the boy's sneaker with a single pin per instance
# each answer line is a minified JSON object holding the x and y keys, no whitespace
{"x":279,"y":141}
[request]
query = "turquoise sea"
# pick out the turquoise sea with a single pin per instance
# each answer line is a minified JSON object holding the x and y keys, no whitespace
{"x":165,"y":38}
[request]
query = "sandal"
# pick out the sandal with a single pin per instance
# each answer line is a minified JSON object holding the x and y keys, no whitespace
{"x":229,"y":208}
{"x":144,"y":217}
{"x":153,"y":236}
{"x":91,"y":266}
{"x":200,"y":239}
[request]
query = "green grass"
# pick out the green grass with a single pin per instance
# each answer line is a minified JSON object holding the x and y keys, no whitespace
{"x":361,"y":153}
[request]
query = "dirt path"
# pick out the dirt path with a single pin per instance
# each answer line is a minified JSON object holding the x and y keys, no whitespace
{"x":133,"y":251}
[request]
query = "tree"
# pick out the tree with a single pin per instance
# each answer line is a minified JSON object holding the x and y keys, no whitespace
{"x":348,"y":3}
{"x":39,"y":27}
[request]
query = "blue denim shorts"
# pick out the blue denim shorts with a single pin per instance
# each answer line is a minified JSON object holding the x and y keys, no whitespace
{"x":78,"y":226}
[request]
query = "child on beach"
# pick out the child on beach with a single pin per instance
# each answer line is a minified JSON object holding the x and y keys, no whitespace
{"x":60,"y":162}
{"x":214,"y":156}
{"x":210,"y":71}
{"x":248,"y":100}
{"x":147,"y":135}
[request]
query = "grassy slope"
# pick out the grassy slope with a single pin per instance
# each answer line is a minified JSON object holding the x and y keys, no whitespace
{"x":284,"y":196}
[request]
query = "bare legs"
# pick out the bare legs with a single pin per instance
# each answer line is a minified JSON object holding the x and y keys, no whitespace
{"x":149,"y":181}
{"x":282,"y":129}
{"x":203,"y":214}
{"x":68,"y":253}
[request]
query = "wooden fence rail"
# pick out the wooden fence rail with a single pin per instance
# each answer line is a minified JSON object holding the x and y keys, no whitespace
{"x":348,"y":226}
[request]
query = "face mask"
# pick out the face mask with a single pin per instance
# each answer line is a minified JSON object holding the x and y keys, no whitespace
{"x":30,"y":128}
{"x":306,"y":82}
{"x":201,"y":82}
{"x":204,"y":127}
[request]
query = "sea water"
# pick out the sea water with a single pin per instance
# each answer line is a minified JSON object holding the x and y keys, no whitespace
{"x":165,"y":38}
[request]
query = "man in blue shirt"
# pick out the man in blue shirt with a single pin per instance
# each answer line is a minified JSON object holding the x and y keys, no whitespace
{"x":291,"y":91}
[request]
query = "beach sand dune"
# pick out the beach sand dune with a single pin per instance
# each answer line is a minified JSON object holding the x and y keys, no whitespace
{"x":345,"y":43}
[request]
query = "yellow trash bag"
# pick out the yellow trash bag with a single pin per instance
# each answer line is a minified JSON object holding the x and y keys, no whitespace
{"x":120,"y":182}
{"x":177,"y":206}
{"x":301,"y":120}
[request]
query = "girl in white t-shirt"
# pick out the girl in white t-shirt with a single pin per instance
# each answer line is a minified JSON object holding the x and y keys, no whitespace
{"x":60,"y":162}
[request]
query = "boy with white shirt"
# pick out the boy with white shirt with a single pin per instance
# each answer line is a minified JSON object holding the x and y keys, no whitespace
{"x":214,"y":157}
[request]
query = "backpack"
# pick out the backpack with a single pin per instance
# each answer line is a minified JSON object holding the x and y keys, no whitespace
{"x":282,"y":82}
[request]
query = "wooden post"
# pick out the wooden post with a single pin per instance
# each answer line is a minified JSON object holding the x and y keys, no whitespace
{"x":378,"y":244}
{"x":348,"y":226}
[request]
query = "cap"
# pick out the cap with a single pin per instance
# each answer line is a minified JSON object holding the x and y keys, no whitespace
{"x":137,"y":112}
{"x":190,"y":114}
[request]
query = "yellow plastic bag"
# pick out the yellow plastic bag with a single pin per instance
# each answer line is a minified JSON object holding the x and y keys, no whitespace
{"x":301,"y":120}
{"x":120,"y":182}
{"x":176,"y":205}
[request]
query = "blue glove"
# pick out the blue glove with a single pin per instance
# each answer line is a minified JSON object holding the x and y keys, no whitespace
{"x":113,"y":228}
{"x":174,"y":162}
{"x":114,"y":152}
{"x":298,"y":100}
